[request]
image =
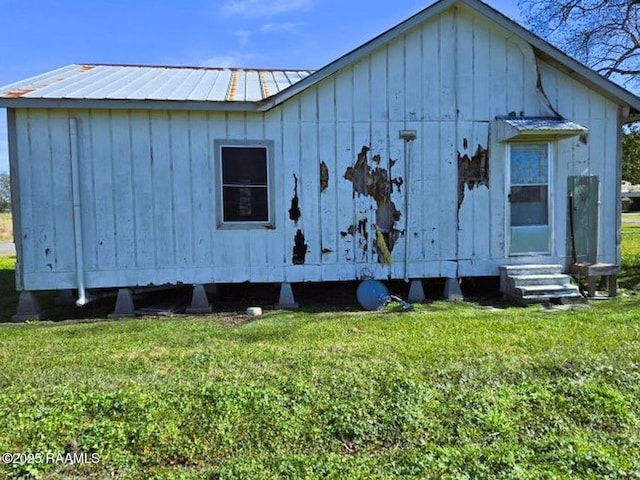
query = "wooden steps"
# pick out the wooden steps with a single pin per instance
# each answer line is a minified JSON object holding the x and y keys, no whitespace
{"x":526,"y":284}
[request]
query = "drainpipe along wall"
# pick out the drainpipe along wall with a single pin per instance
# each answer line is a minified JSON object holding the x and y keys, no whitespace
{"x":77,"y":212}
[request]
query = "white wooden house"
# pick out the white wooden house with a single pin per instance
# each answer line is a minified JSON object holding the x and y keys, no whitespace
{"x":452,"y":145}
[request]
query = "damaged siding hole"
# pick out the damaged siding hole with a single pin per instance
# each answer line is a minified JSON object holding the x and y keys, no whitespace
{"x":300,"y":248}
{"x":324,"y":177}
{"x":378,"y":184}
{"x":472,"y":171}
{"x":363,"y":234}
{"x":294,"y":211}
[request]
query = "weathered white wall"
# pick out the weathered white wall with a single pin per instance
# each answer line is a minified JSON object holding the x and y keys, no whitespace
{"x":148,"y":182}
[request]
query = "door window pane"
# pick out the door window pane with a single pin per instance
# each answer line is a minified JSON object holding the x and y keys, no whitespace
{"x":529,"y":205}
{"x":529,"y":165}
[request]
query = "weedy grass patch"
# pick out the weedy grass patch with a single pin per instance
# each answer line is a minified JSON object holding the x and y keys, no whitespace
{"x":446,"y":391}
{"x":630,"y":275}
{"x":6,"y":227}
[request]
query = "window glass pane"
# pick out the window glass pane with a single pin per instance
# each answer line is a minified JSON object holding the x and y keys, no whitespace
{"x":529,"y":165}
{"x":244,"y":165}
{"x":245,"y":204}
{"x":529,"y":206}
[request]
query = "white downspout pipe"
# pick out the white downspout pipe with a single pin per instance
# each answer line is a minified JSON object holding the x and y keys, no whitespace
{"x":77,"y":212}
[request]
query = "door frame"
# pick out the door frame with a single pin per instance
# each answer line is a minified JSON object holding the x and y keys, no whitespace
{"x":550,"y":193}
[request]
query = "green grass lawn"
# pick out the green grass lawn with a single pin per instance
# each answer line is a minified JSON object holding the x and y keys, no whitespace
{"x":446,"y":391}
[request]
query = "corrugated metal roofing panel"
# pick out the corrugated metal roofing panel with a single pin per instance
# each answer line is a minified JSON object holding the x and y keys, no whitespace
{"x":119,"y":83}
{"x":96,"y":79}
{"x":24,"y":87}
{"x":141,"y":77}
{"x":253,"y":88}
{"x":204,"y":85}
{"x":268,"y":84}
{"x":139,"y":82}
{"x":543,"y":123}
{"x":169,"y":82}
{"x":511,"y":128}
{"x":190,"y":79}
{"x":281,"y":81}
{"x":219,"y":89}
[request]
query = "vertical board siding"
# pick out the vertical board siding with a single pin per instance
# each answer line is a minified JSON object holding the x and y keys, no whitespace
{"x":103,"y":218}
{"x":124,"y":194}
{"x":41,"y":234}
{"x":327,"y":155}
{"x":141,"y":166}
{"x":150,"y":182}
{"x":288,"y":166}
{"x":309,"y":179}
{"x":161,"y":179}
{"x":201,"y":179}
{"x":180,"y":151}
{"x":63,"y":251}
{"x":276,"y":254}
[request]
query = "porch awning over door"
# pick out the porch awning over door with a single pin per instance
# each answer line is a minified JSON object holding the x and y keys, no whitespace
{"x":534,"y":128}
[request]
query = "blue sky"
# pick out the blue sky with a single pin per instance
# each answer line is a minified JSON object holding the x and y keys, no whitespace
{"x":297,"y":34}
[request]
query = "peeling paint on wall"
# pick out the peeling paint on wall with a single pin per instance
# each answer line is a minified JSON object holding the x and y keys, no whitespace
{"x":294,"y":211}
{"x":324,"y":176}
{"x":358,"y":174}
{"x":378,"y":184}
{"x":361,"y":228}
{"x":472,"y":171}
{"x":299,"y":248}
{"x":363,"y":234}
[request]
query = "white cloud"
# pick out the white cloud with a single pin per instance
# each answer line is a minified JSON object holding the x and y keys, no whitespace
{"x":230,"y":60}
{"x":262,"y":8}
{"x":243,"y":37}
{"x":290,"y":27}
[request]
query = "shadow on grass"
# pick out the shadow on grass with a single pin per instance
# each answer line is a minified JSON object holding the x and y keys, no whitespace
{"x":8,"y":294}
{"x":629,"y":277}
{"x":232,"y":300}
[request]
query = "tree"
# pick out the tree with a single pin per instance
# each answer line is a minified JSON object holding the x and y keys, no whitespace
{"x":5,"y":192}
{"x":631,"y":155}
{"x":603,"y":34}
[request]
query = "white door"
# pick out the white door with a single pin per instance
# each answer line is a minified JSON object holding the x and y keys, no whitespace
{"x":529,"y":227}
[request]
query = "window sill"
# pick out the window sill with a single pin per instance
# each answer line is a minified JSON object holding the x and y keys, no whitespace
{"x":246,"y":226}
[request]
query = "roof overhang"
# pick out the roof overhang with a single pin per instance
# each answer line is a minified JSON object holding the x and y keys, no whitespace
{"x":119,"y":104}
{"x":509,"y":129}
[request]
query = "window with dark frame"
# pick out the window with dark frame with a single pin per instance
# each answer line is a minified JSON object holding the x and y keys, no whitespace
{"x":245,"y":183}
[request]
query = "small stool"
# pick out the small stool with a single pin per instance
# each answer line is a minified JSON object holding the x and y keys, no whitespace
{"x":594,"y":270}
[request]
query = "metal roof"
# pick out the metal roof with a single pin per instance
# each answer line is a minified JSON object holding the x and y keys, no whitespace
{"x":137,"y":82}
